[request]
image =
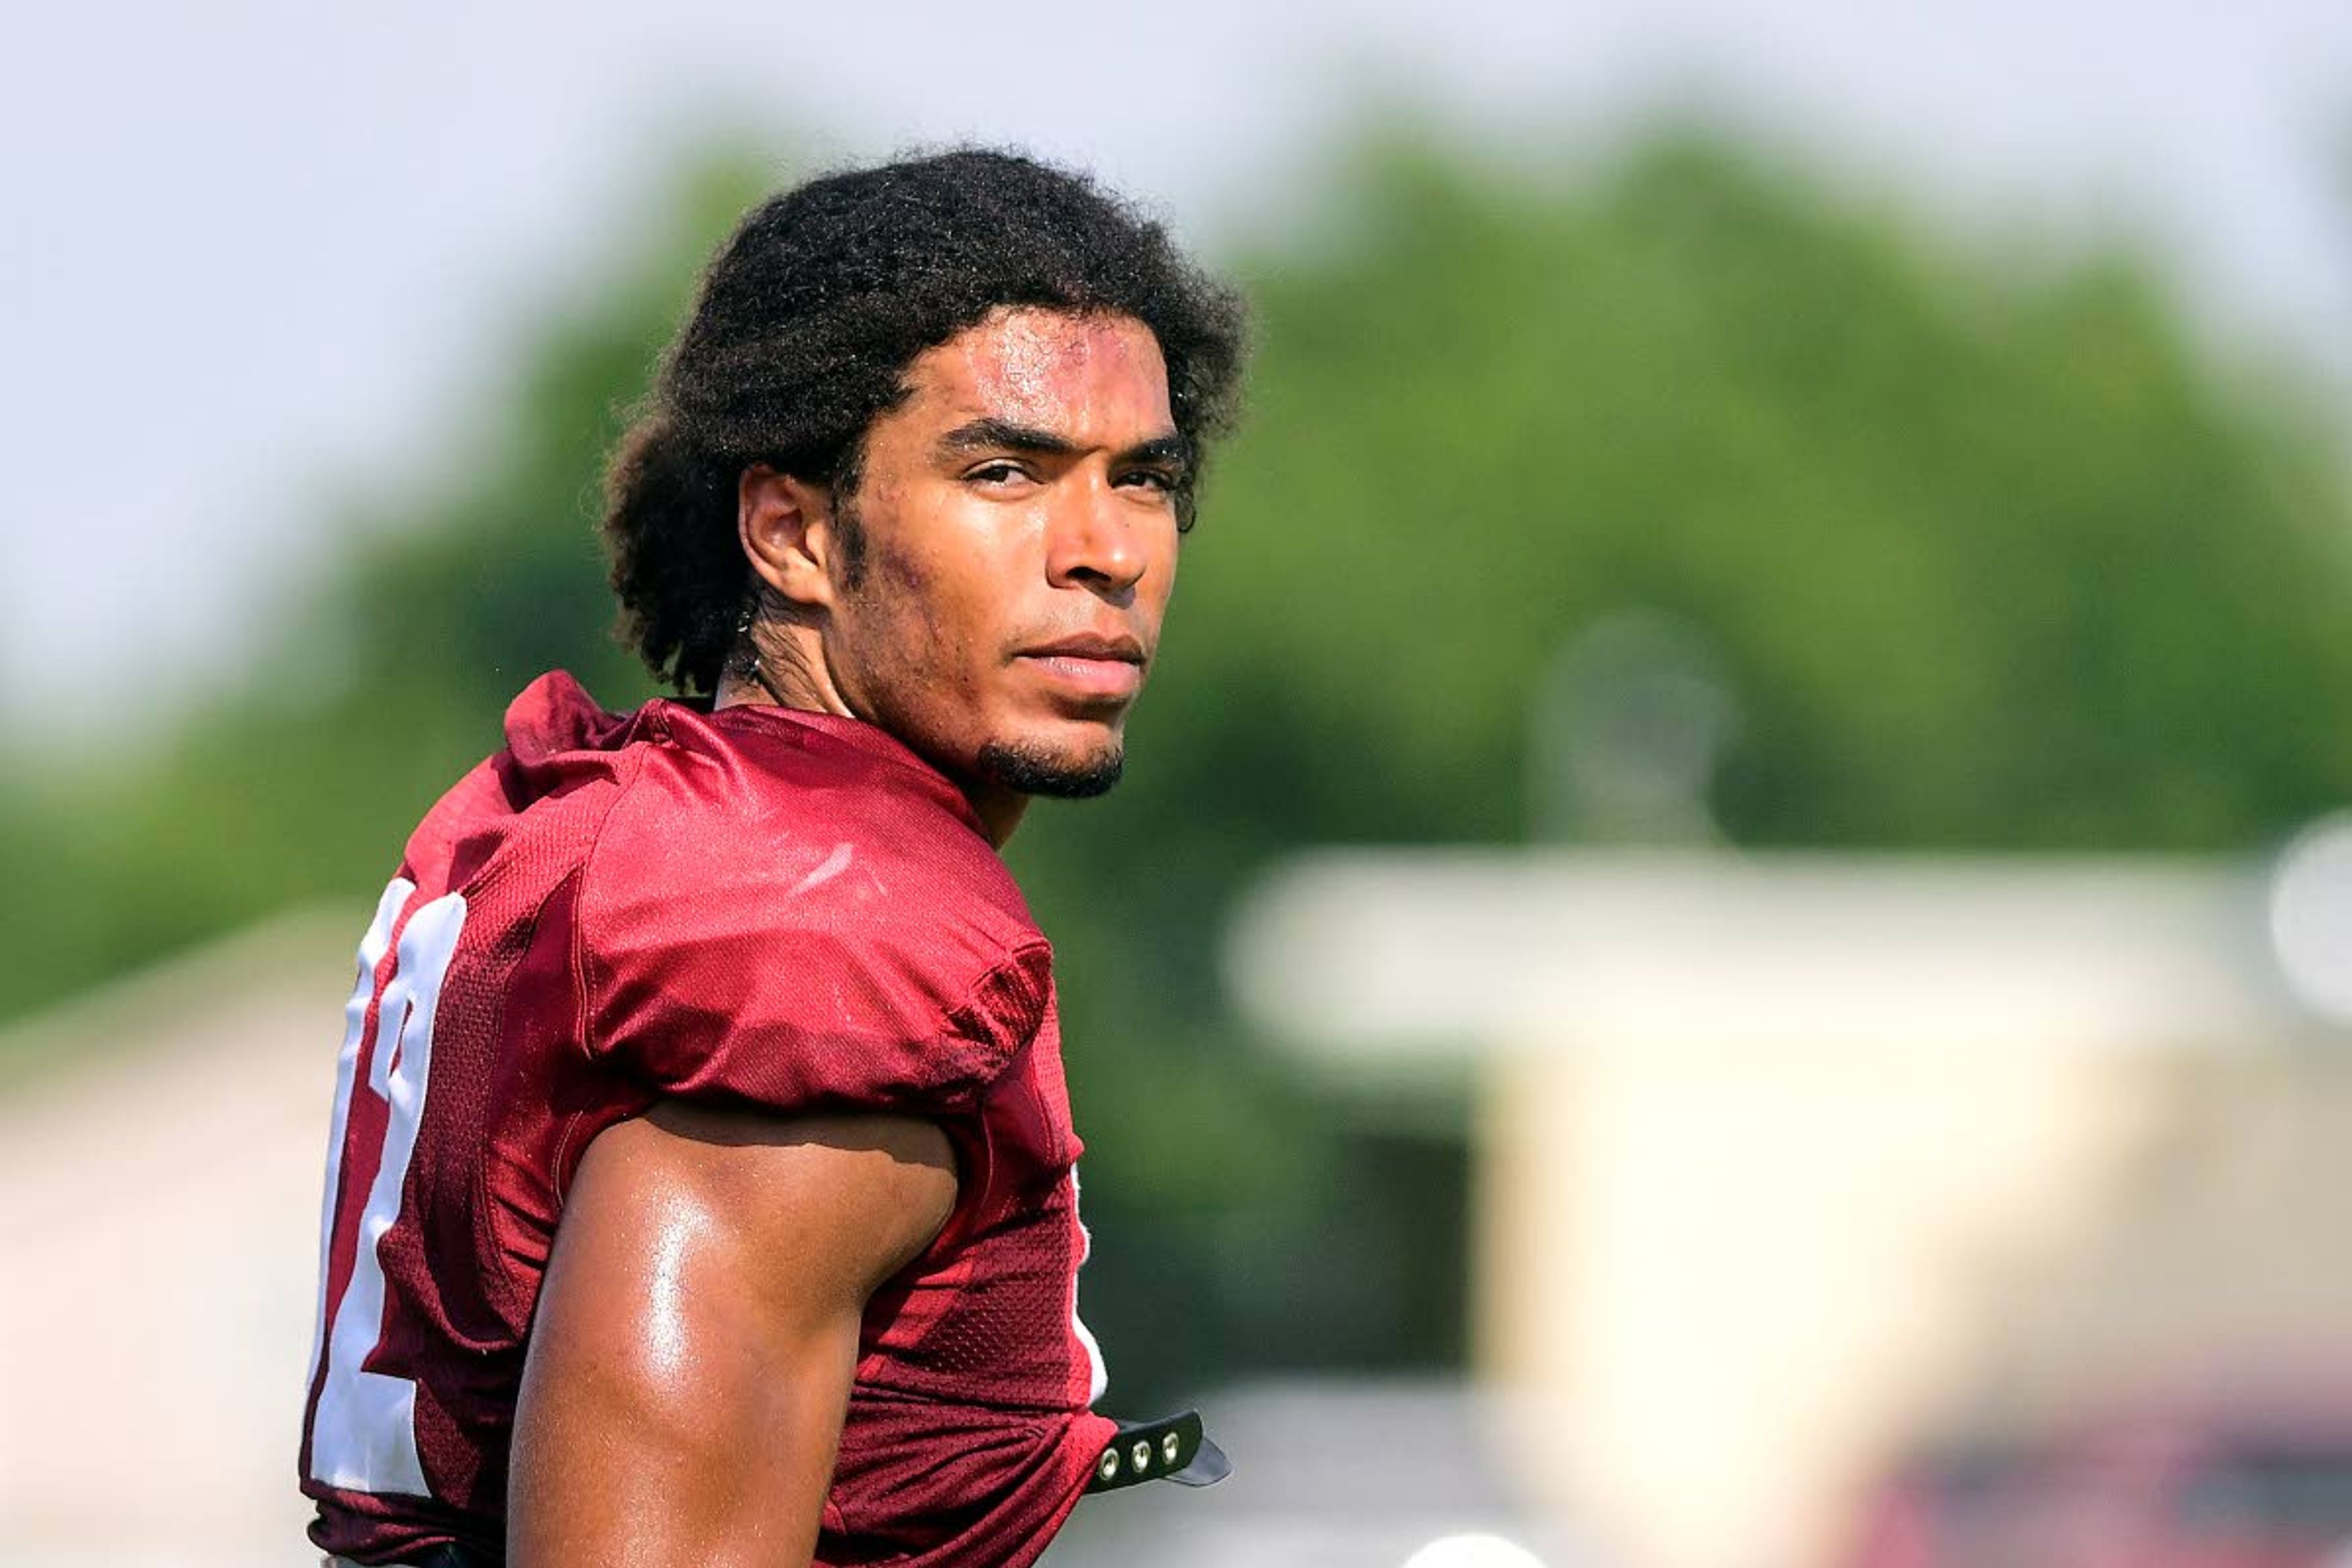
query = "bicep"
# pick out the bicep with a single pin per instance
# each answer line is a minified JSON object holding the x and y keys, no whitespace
{"x":696,"y":1331}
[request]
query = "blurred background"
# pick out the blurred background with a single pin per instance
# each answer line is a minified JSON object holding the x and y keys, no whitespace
{"x":1728,"y":944}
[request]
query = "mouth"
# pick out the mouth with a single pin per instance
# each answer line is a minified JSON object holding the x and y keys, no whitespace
{"x":1089,"y":666}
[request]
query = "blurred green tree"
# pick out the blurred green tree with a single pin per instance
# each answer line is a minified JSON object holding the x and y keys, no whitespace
{"x":1981,"y":556}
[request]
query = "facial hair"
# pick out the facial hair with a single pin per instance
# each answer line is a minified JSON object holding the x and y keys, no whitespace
{"x":1030,"y":770}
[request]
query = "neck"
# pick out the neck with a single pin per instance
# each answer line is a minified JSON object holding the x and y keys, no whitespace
{"x":1000,"y":809}
{"x":791,"y":685}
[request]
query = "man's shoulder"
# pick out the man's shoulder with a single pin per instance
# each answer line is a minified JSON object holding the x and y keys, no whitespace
{"x":810,"y":818}
{"x":757,"y":862}
{"x":795,"y":913}
{"x":769,"y":805}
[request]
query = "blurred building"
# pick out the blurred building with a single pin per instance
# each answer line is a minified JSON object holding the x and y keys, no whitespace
{"x":1785,"y":1164}
{"x":161,"y":1155}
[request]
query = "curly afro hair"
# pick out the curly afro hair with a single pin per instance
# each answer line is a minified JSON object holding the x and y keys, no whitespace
{"x":802,"y":334}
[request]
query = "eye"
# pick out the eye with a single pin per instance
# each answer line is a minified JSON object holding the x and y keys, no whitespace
{"x":1158,"y":479}
{"x":999,"y":473}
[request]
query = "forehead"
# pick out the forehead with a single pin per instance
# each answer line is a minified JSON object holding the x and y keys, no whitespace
{"x":1049,"y":370}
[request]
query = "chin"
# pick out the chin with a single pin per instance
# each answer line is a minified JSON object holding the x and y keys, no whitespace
{"x":1064,"y":772}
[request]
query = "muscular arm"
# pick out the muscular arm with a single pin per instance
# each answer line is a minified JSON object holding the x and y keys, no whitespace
{"x":697,"y":1330}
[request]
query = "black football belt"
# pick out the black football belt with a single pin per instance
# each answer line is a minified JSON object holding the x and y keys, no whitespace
{"x":1173,"y":1448}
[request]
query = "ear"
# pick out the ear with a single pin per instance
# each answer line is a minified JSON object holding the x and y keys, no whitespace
{"x":786,"y":528}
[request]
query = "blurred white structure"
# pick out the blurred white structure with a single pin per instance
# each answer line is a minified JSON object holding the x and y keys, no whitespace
{"x":1778,"y":1159}
{"x":160,"y":1157}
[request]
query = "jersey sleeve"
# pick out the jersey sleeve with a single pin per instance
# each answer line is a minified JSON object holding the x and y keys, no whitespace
{"x":847,"y":969}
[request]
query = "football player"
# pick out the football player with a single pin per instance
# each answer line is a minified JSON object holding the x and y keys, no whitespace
{"x":701,"y":1186}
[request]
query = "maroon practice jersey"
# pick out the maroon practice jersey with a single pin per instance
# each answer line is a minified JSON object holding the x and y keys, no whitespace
{"x":757,"y":907}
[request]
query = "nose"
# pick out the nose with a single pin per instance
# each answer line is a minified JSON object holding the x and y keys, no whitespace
{"x":1100,"y":541}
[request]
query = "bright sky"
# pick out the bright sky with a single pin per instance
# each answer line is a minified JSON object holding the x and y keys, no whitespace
{"x":259,"y":254}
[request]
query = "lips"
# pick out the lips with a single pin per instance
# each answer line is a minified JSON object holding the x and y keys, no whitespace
{"x":1089,"y":666}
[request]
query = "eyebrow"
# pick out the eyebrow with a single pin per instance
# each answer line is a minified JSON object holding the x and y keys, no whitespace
{"x":1172,"y":451}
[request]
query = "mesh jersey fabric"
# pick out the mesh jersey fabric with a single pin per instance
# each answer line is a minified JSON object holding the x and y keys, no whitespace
{"x":754,"y":907}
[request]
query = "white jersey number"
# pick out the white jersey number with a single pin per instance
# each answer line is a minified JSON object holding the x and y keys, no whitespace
{"x":1097,"y":1374}
{"x":364,"y":1430}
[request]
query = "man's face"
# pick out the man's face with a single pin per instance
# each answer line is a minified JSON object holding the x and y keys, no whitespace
{"x":1017,"y":540}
